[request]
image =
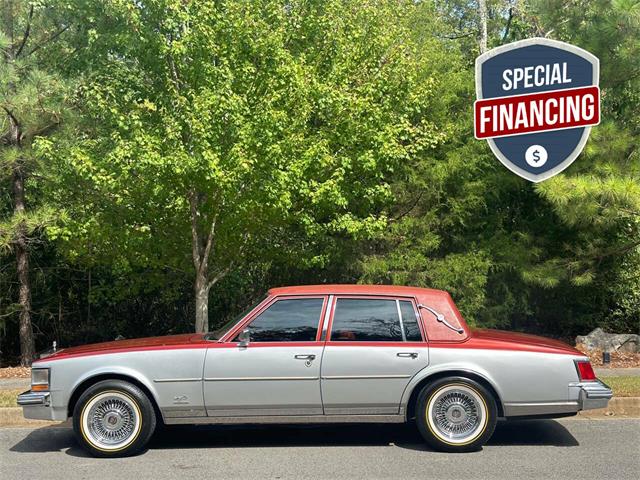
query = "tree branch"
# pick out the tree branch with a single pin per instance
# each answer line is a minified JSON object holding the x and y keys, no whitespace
{"x":11,"y":116}
{"x":47,"y":128}
{"x":507,"y":28}
{"x":195,"y":238}
{"x":457,"y":36}
{"x":219,"y":276}
{"x":26,"y":32}
{"x":408,"y":210}
{"x":618,"y":251}
{"x":209,"y":245}
{"x":48,"y":40}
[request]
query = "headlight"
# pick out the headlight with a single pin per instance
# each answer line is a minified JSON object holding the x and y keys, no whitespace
{"x":39,"y":379}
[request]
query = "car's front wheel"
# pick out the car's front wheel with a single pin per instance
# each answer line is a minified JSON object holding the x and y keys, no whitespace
{"x":113,"y":418}
{"x":456,"y":414}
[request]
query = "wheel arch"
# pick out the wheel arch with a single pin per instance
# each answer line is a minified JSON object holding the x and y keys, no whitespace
{"x":481,"y":379}
{"x":87,"y":382}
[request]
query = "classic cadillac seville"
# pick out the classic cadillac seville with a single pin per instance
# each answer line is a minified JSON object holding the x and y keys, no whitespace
{"x":309,"y":354}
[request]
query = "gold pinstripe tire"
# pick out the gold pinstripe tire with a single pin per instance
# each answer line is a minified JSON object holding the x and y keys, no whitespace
{"x":113,"y":418}
{"x":456,"y":414}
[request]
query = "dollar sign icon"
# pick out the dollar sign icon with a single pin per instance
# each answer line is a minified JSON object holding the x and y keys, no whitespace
{"x":536,"y":156}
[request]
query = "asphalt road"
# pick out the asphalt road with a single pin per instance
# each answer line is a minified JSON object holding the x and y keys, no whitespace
{"x":557,"y":449}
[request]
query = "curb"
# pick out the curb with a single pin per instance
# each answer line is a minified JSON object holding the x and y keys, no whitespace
{"x":618,"y":407}
{"x":12,"y":417}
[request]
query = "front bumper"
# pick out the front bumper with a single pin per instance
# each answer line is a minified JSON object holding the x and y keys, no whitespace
{"x":38,"y":406}
{"x":593,"y":394}
{"x":30,"y":398}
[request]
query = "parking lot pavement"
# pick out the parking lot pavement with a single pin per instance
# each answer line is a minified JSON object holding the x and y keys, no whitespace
{"x":556,"y":449}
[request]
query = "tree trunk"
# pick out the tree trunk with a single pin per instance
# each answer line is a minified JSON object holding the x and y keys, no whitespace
{"x":27,"y":348}
{"x":482,"y":7}
{"x":202,"y":303}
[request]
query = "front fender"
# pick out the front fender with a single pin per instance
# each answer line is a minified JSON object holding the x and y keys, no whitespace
{"x":115,"y":370}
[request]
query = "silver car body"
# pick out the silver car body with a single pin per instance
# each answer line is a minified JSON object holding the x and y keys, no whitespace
{"x":193,"y":379}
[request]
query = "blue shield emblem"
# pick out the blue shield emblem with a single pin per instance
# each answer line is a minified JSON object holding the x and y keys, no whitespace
{"x":537,"y":101}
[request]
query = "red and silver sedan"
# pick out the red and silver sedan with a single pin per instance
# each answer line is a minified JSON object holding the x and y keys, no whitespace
{"x":309,"y":354}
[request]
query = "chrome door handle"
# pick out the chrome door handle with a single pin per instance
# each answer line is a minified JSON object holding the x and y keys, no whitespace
{"x":305,"y":357}
{"x":407,"y":354}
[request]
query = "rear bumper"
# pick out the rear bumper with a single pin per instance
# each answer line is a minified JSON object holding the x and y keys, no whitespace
{"x":593,"y":394}
{"x":38,"y":406}
{"x":582,"y":396}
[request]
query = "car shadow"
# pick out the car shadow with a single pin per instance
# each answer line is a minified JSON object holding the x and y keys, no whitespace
{"x":53,"y":438}
{"x":529,"y":432}
{"x":524,"y":432}
{"x":533,"y":432}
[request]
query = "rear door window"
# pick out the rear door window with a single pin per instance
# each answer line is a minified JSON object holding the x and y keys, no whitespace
{"x":374,"y":320}
{"x":410,"y":322}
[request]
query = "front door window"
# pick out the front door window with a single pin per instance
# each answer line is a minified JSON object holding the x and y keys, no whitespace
{"x":290,"y":320}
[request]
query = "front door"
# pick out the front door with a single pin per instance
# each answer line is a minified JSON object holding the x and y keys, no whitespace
{"x":277,"y":372}
{"x":375,"y":347}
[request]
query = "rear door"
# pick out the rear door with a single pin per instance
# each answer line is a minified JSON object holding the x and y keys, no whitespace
{"x":375,"y":346}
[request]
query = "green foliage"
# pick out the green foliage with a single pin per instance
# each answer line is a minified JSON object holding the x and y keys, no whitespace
{"x":327,"y":141}
{"x":259,"y":122}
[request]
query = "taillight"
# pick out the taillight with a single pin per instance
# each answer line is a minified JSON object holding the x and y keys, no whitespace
{"x":585,"y":370}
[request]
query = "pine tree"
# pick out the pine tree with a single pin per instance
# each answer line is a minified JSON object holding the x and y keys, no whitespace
{"x":31,"y":102}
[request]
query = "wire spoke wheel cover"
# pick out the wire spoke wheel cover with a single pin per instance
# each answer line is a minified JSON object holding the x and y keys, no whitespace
{"x":111,"y":421}
{"x":457,"y":414}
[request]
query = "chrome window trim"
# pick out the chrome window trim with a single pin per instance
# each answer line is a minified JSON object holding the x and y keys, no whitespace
{"x":327,"y":316}
{"x":404,"y":334}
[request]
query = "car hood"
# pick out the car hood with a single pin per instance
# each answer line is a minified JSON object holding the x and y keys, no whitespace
{"x":148,"y":343}
{"x":514,"y":340}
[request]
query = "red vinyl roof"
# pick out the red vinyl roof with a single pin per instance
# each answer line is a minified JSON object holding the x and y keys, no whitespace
{"x":356,"y":290}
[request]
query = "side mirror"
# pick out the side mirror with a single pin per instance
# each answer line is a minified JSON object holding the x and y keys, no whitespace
{"x":244,"y":337}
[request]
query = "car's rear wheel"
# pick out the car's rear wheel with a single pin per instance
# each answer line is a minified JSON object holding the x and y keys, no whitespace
{"x":113,"y":418}
{"x":456,"y":414}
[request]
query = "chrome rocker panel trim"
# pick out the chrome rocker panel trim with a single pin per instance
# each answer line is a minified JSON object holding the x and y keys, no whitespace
{"x":539,"y":408}
{"x":287,"y":419}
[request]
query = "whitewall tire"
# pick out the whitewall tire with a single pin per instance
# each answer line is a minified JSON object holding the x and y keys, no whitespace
{"x":113,"y":418}
{"x":456,"y":414}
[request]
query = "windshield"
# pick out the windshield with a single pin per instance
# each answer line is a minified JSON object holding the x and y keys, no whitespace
{"x":219,"y":332}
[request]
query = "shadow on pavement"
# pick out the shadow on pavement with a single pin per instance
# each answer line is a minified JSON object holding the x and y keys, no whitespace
{"x":50,"y":439}
{"x":531,"y":432}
